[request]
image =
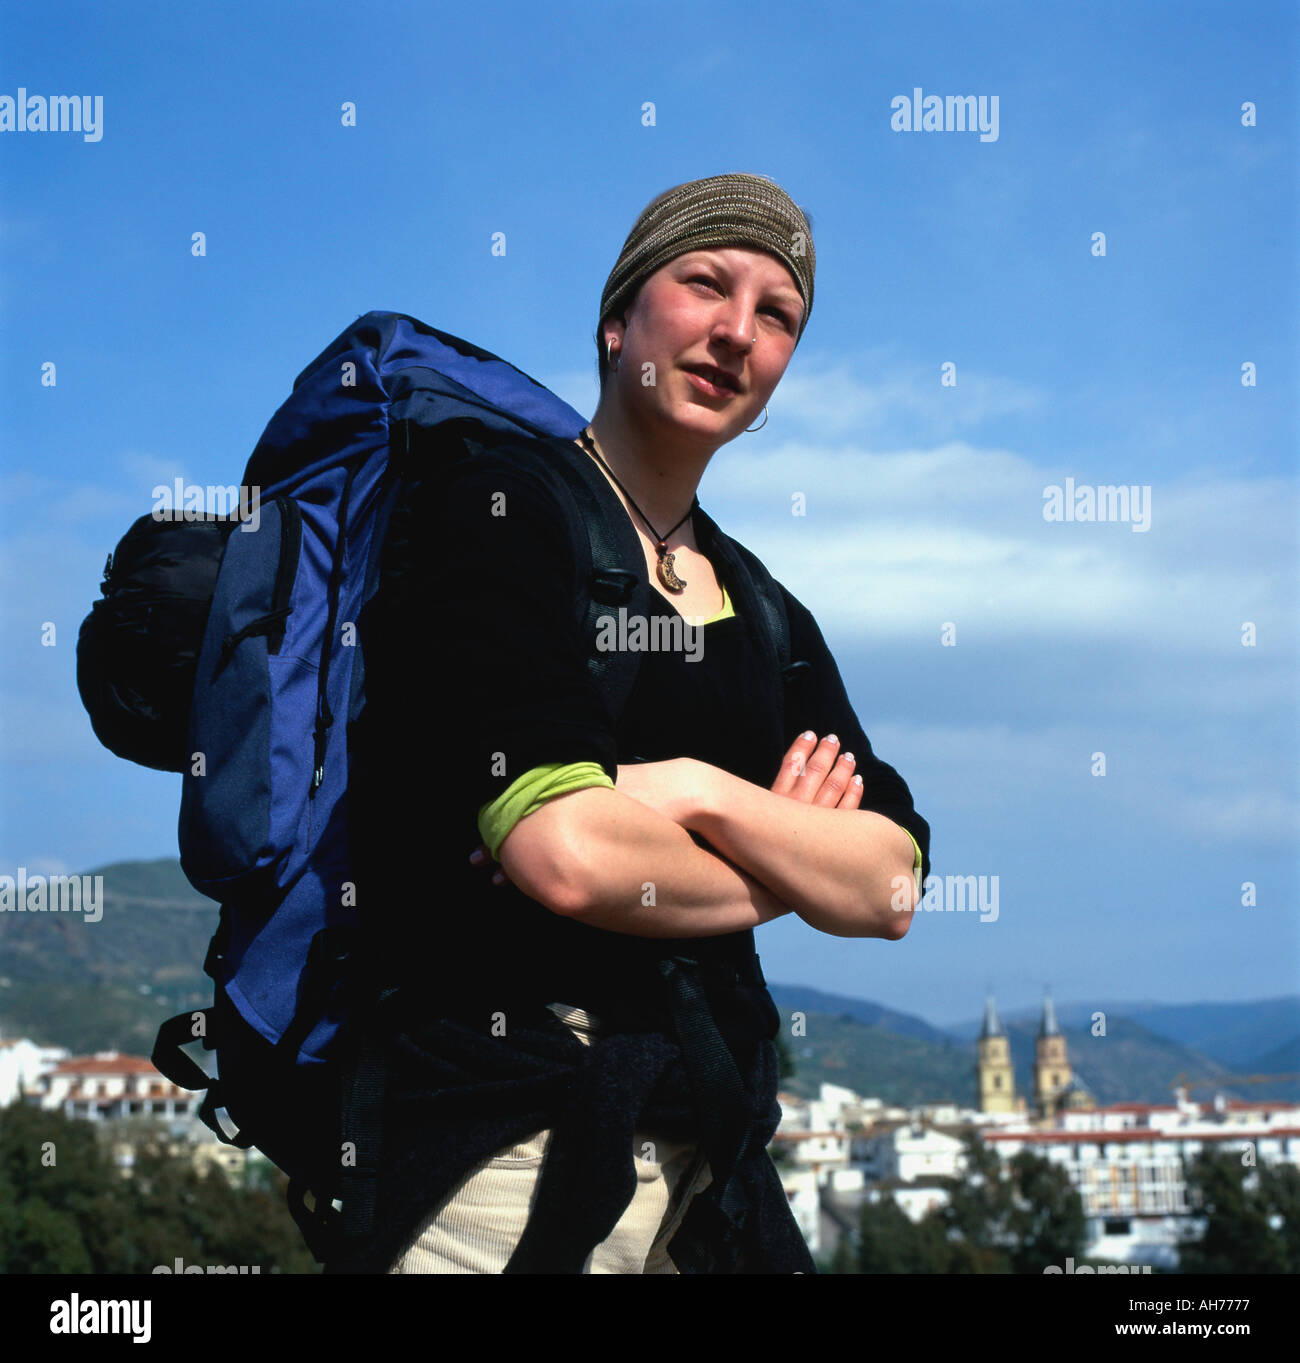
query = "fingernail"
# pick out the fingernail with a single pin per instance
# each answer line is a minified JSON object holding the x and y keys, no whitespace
{"x":476,"y":856}
{"x":808,"y":736}
{"x":846,"y":757}
{"x":830,"y":738}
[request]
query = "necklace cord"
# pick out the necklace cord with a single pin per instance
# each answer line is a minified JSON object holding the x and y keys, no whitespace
{"x":665,"y":567}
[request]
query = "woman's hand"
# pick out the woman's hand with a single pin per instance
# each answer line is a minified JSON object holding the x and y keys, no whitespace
{"x":811,"y":774}
{"x":481,"y":858}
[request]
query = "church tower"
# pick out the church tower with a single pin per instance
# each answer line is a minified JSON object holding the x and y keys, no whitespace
{"x":995,"y":1077}
{"x":1052,"y":1074}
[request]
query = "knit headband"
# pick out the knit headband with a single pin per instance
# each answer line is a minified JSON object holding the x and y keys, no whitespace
{"x":725,"y":210}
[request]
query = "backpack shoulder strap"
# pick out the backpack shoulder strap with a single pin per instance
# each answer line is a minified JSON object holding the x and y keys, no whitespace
{"x":610,"y":567}
{"x":607,"y":553}
{"x":759,"y":592}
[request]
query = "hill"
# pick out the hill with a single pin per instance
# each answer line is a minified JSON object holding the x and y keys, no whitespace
{"x":902,"y":1059}
{"x":106,"y":985}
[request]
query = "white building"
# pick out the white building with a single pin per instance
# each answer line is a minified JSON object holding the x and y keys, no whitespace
{"x":22,"y":1063}
{"x":109,"y":1086}
{"x":940,"y":1114}
{"x":908,"y":1152}
{"x":1127,"y":1162}
{"x":820,"y":1151}
{"x":838,"y":1146}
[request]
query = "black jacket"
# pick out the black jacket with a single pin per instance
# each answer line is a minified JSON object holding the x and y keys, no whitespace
{"x":475,"y":673}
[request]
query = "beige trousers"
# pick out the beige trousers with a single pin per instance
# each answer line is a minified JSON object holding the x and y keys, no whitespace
{"x":476,"y":1227}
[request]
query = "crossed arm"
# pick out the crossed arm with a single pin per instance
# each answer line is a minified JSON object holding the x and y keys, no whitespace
{"x":628,"y":860}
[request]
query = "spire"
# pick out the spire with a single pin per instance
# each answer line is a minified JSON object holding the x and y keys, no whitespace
{"x":1049,"y":1025}
{"x":992,"y":1027}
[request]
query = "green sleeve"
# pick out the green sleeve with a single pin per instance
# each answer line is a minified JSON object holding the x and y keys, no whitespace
{"x":530,"y":791}
{"x":916,"y":862}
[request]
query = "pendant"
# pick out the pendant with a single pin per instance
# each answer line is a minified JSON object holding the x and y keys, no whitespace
{"x":666,"y":574}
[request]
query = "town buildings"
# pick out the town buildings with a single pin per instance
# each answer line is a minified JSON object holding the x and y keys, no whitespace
{"x":1127,"y":1161}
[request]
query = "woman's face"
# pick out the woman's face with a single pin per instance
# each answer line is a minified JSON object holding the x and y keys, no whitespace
{"x":731,"y":309}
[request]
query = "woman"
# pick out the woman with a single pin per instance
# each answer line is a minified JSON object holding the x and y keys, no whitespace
{"x":595,"y":1087}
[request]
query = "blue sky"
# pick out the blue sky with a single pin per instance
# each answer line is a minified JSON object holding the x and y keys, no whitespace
{"x":924,"y":501}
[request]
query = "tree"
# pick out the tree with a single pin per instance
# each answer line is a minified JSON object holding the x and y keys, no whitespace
{"x":1238,"y":1236}
{"x":65,"y":1207}
{"x":1280,"y":1189}
{"x":885,"y":1237}
{"x":40,"y":1239}
{"x":843,"y":1259}
{"x":56,"y":1180}
{"x":1047,"y":1221}
{"x":980,"y":1212}
{"x":889,"y":1241}
{"x":1015,"y":1218}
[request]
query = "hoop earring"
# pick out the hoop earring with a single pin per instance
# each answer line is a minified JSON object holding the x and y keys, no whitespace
{"x":609,"y":355}
{"x":761,"y":424}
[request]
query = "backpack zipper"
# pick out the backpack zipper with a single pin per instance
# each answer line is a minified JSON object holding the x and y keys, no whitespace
{"x":287,"y":569}
{"x":324,"y":717}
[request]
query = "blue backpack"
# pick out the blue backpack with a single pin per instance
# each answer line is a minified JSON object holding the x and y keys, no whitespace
{"x":226,"y":649}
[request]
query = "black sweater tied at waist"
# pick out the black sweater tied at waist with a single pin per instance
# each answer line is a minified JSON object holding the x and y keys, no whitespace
{"x":457,"y":1094}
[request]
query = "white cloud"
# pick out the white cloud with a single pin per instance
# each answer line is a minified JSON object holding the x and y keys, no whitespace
{"x":901,"y":541}
{"x":832,"y":401}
